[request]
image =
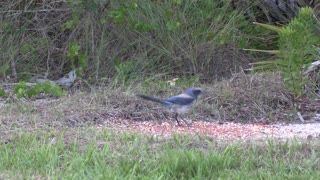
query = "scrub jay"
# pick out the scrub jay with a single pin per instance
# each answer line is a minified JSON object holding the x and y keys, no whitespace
{"x":180,"y":103}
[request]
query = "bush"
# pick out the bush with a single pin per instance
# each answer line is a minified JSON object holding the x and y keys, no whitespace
{"x":161,"y":37}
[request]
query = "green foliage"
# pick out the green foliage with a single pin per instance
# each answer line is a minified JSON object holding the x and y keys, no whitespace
{"x":118,"y":15}
{"x":270,"y":27}
{"x":142,"y":27}
{"x":74,"y":53}
{"x":121,"y":15}
{"x":296,"y":50}
{"x":21,"y":90}
{"x":27,"y":47}
{"x":173,"y":25}
{"x":125,"y":71}
{"x":3,"y":93}
{"x":72,"y":23}
{"x":3,"y":70}
{"x":168,"y":36}
{"x":45,"y":87}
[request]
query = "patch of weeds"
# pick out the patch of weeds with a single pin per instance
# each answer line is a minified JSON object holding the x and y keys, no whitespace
{"x":3,"y":93}
{"x":3,"y":70}
{"x":125,"y":72}
{"x":25,"y":108}
{"x":21,"y":90}
{"x":126,"y":137}
{"x":74,"y":54}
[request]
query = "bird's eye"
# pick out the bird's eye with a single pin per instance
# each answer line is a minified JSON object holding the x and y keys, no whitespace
{"x":197,"y":91}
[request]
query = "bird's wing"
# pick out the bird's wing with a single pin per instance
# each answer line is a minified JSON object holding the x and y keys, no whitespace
{"x":181,"y":99}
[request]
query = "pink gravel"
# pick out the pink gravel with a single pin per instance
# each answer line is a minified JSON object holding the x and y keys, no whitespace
{"x":227,"y":131}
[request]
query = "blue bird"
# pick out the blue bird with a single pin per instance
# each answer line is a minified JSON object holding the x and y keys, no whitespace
{"x":179,"y":104}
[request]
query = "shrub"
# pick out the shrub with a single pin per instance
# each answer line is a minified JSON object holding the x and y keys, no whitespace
{"x":296,"y":51}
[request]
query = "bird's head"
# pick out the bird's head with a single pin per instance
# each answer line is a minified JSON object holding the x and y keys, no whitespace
{"x":194,"y":92}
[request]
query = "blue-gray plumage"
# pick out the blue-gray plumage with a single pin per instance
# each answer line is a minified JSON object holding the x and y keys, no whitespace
{"x":180,"y":103}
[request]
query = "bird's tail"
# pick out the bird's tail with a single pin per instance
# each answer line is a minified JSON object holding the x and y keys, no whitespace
{"x":152,"y":99}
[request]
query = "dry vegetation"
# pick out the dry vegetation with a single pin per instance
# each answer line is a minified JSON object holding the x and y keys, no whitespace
{"x":256,"y":98}
{"x":38,"y":35}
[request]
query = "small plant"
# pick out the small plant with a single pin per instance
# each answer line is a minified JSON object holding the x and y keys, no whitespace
{"x":45,"y":87}
{"x":297,"y":51}
{"x":3,"y":93}
{"x":21,"y":90}
{"x":3,"y":70}
{"x":74,"y":53}
{"x":125,"y":71}
{"x":173,"y":25}
{"x":119,"y":15}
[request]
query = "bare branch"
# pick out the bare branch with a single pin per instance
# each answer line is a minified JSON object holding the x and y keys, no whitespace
{"x":35,"y":11}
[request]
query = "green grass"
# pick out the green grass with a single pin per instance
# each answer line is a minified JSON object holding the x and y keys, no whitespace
{"x":91,"y":154}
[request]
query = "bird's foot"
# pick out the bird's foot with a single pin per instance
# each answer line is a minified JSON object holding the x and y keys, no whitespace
{"x":187,"y":123}
{"x":178,"y":123}
{"x":165,"y":115}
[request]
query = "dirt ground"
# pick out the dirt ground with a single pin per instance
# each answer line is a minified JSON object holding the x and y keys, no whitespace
{"x":221,"y":131}
{"x":100,"y":111}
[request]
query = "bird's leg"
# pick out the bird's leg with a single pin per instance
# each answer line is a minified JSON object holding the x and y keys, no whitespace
{"x":176,"y":117}
{"x":165,"y":115}
{"x":185,"y":121}
{"x":188,"y":124}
